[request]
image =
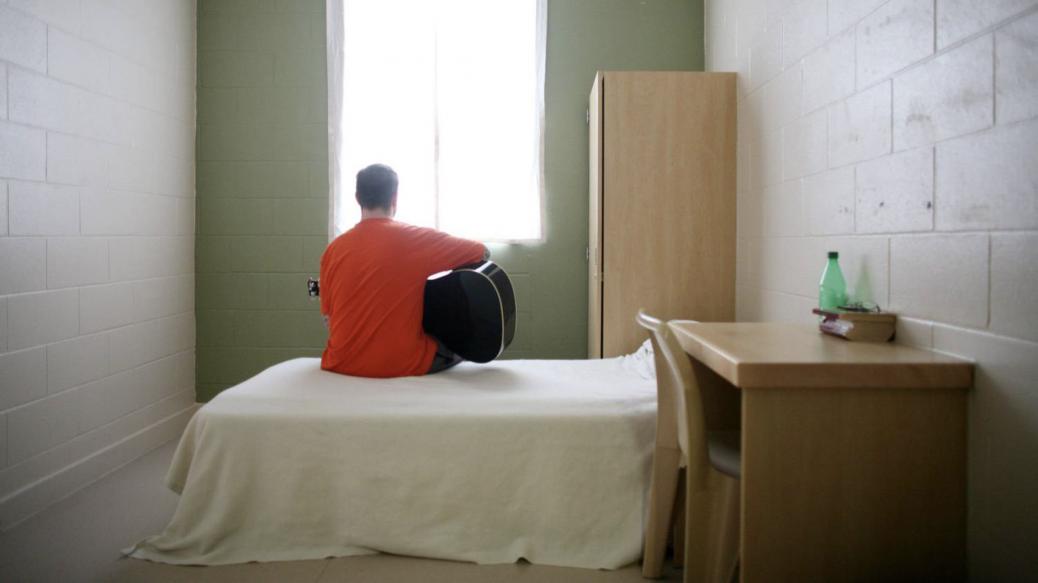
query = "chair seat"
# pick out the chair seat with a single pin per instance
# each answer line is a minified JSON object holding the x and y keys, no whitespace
{"x":725,"y":451}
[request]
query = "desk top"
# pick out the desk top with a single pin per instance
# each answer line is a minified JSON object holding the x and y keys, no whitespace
{"x":753,"y":355}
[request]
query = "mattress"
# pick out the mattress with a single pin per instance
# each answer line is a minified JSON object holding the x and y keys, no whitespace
{"x":547,"y":460}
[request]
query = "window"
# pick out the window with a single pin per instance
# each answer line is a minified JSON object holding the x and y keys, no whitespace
{"x":450,"y":94}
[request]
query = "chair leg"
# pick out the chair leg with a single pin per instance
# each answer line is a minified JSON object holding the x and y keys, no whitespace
{"x":662,"y":489}
{"x":728,"y":529}
{"x":712,"y":529}
{"x":679,"y":522}
{"x":697,"y":530}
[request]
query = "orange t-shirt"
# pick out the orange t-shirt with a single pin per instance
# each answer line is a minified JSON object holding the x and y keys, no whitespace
{"x":372,"y":290}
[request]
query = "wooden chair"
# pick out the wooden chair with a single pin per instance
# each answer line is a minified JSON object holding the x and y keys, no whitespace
{"x":712,"y":469}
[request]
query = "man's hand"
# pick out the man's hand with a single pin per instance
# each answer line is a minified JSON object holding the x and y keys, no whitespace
{"x":324,"y":319}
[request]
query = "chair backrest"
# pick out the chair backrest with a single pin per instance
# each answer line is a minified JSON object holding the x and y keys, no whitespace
{"x":679,"y":401}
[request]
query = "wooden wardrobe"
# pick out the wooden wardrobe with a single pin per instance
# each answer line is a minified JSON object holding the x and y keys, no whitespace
{"x":662,"y":208}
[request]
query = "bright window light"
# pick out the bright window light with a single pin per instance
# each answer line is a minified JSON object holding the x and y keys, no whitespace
{"x":450,"y":94}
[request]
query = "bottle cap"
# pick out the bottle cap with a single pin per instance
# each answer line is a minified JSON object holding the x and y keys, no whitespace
{"x":834,"y":255}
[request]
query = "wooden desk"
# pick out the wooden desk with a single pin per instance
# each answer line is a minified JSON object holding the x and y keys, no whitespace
{"x":853,"y":454}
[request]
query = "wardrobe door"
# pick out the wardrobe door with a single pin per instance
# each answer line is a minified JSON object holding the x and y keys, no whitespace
{"x":668,"y":201}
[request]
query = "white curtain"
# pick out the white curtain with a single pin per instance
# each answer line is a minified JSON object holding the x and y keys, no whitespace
{"x":450,"y":93}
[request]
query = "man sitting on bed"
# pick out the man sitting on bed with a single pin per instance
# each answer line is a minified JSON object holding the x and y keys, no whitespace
{"x":373,"y":283}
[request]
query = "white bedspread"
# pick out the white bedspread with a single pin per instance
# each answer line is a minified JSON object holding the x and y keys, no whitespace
{"x":542,"y":459}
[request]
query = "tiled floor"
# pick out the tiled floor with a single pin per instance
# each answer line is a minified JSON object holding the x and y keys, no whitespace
{"x":79,"y":539}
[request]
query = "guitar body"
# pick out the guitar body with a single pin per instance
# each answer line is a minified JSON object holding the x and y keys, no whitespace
{"x":471,"y":310}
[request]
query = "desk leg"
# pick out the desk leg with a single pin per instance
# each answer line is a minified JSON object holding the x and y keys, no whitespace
{"x":853,"y":485}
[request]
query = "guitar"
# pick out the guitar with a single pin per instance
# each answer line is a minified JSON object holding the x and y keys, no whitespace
{"x":471,"y":310}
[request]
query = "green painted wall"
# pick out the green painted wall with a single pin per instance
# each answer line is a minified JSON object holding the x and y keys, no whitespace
{"x":261,"y":184}
{"x":262,"y":173}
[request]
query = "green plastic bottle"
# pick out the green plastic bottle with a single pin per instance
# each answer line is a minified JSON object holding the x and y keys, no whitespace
{"x":832,"y":290}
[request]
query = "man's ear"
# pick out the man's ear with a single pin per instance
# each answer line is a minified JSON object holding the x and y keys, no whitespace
{"x":356,"y":197}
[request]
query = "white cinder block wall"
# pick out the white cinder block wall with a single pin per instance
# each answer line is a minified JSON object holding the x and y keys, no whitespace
{"x":903,"y":133}
{"x":97,"y":124}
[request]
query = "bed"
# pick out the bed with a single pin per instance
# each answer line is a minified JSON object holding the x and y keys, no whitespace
{"x":546,"y":460}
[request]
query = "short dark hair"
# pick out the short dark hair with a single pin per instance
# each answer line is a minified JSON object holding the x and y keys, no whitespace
{"x":376,"y":186}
